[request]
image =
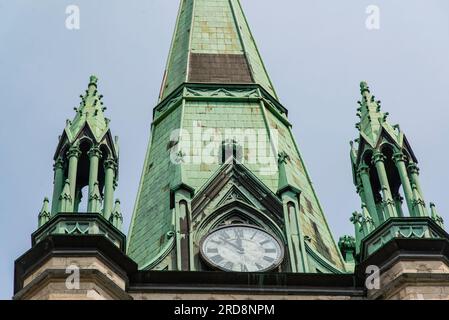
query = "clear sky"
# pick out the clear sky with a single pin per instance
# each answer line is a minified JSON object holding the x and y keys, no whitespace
{"x":316,"y":51}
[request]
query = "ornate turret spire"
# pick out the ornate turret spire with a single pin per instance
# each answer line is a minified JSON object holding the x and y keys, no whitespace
{"x":86,"y":157}
{"x":385,"y":173}
{"x":89,"y":113}
{"x":372,"y":120}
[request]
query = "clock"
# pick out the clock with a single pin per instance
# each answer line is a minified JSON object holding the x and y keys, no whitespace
{"x":242,"y":248}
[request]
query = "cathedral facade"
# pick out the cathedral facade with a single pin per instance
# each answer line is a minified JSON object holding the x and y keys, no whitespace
{"x":225,"y":206}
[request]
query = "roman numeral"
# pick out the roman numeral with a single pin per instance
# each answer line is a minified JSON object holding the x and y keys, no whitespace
{"x":268,"y":259}
{"x":229,"y":265}
{"x":265,"y":242}
{"x":225,"y":235}
{"x":243,"y":268}
{"x":212,"y":250}
{"x":216,"y":241}
{"x":258,"y":266}
{"x":255,"y":232}
{"x":238,"y":233}
{"x":217,"y":259}
{"x":270,"y":250}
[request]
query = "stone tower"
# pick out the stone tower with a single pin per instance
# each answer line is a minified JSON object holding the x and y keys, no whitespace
{"x":217,"y":97}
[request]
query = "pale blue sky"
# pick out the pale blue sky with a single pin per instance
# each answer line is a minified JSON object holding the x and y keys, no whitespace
{"x":316,"y":51}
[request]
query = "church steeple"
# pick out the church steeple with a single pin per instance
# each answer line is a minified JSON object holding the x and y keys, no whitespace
{"x":385,"y":171}
{"x":217,"y":93}
{"x":85,"y":168}
{"x":213,"y":43}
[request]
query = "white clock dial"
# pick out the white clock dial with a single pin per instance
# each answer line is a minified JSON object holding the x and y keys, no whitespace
{"x":242,"y":248}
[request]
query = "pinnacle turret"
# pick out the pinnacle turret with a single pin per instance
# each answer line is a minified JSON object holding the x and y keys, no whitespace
{"x":285,"y":183}
{"x":44,"y":214}
{"x":116,"y":216}
{"x":95,"y":199}
{"x":86,"y":165}
{"x":385,"y":173}
{"x":372,"y":120}
{"x":90,"y":112}
{"x":65,"y":199}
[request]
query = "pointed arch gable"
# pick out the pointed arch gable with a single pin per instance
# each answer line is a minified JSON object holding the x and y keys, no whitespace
{"x":237,"y":208}
{"x":237,"y":174}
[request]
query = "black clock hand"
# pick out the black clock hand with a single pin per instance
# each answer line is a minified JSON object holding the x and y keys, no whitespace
{"x":230,"y":243}
{"x":239,"y":243}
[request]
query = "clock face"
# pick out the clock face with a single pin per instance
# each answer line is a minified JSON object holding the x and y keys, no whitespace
{"x":242,"y":248}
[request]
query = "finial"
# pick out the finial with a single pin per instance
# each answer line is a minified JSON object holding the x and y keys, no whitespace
{"x":283,"y":157}
{"x":93,"y":80}
{"x":364,"y":87}
{"x":355,"y":217}
{"x":347,"y":246}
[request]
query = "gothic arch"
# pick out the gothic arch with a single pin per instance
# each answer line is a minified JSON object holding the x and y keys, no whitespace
{"x":238,"y":209}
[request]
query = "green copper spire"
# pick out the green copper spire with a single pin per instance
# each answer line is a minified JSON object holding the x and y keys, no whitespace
{"x":87,"y":155}
{"x":89,"y":113}
{"x":385,"y":174}
{"x":435,"y":216}
{"x":44,"y":214}
{"x":217,"y":99}
{"x":85,"y":173}
{"x":372,"y":120}
{"x":212,"y":43}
